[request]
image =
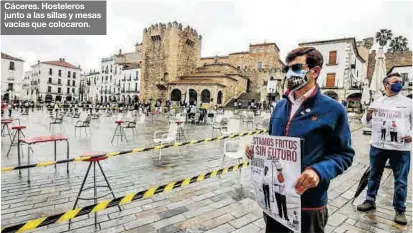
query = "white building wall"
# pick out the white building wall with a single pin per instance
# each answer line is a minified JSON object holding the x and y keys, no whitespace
{"x":345,"y":58}
{"x":11,"y":76}
{"x":404,"y":70}
{"x":132,"y":83}
{"x":337,"y":69}
{"x":44,"y":76}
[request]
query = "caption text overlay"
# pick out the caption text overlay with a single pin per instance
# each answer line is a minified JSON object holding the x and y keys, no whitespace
{"x":53,"y":17}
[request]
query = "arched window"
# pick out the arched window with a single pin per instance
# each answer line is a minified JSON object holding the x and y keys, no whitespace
{"x":193,"y":96}
{"x":205,"y":96}
{"x":175,"y":95}
{"x":219,"y":97}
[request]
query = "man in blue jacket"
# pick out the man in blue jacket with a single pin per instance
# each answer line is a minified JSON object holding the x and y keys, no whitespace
{"x":322,"y":123}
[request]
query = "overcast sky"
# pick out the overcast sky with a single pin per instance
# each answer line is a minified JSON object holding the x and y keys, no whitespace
{"x":226,"y":26}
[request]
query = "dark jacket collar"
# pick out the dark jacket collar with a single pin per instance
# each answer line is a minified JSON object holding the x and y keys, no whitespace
{"x":310,"y":99}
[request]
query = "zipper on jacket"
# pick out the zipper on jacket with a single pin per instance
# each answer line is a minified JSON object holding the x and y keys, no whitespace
{"x":287,"y":127}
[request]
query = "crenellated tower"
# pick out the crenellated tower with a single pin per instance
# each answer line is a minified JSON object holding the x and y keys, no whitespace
{"x":168,"y":52}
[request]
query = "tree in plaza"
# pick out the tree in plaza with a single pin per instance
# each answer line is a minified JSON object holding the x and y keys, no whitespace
{"x":398,"y":44}
{"x":383,"y":36}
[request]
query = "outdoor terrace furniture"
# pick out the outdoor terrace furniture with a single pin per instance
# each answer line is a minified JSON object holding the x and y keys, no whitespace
{"x":119,"y":131}
{"x":5,"y":129}
{"x":16,"y":137}
{"x":76,"y":115}
{"x":262,"y":125}
{"x":249,"y":119}
{"x":83,"y":124}
{"x":132,"y":124}
{"x":42,"y":139}
{"x":56,"y":121}
{"x":95,"y":159}
{"x":166,"y":137}
{"x":235,"y":149}
{"x":221,"y":123}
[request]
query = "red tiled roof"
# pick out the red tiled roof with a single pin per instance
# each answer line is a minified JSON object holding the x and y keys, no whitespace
{"x":61,"y":63}
{"x":8,"y":57}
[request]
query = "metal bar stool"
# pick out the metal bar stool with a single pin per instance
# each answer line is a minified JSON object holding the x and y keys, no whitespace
{"x":5,"y":129}
{"x":93,"y":161}
{"x":19,"y":134}
{"x":119,"y":131}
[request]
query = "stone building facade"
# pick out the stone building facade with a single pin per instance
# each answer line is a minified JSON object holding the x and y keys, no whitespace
{"x":395,"y":62}
{"x":172,"y":67}
{"x":392,"y":60}
{"x":260,"y":64}
{"x":168,"y":52}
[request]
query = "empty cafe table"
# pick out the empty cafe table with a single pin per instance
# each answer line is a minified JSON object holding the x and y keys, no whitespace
{"x":119,"y":131}
{"x":42,"y":139}
{"x":181,"y":132}
{"x":5,"y":129}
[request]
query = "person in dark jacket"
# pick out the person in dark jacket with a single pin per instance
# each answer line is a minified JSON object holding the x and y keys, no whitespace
{"x":323,"y":125}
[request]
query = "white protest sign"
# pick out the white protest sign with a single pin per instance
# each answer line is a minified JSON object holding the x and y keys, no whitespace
{"x":275,"y":168}
{"x":388,"y":127}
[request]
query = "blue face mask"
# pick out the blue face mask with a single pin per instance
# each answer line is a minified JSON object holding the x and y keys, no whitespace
{"x":396,"y":87}
{"x":297,"y":79}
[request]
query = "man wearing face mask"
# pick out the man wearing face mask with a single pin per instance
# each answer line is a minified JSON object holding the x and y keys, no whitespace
{"x":322,"y":123}
{"x":397,"y":153}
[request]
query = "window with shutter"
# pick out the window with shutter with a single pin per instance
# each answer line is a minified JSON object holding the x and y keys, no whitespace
{"x":332,"y":58}
{"x":331,"y":80}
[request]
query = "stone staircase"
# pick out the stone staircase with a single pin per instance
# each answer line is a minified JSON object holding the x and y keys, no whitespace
{"x":244,"y":98}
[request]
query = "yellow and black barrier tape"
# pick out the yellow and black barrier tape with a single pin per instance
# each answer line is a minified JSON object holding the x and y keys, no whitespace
{"x":112,"y":154}
{"x":102,"y":205}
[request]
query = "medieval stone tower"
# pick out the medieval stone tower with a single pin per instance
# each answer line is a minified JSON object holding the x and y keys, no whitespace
{"x":168,"y":52}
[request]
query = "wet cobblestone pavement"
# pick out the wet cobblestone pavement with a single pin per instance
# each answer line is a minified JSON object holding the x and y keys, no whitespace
{"x":214,"y":205}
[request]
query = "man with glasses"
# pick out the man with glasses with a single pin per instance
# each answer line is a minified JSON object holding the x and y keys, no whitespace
{"x":322,"y":123}
{"x":397,"y":153}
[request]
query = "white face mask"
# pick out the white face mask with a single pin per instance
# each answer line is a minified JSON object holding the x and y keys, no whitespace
{"x":298,"y":78}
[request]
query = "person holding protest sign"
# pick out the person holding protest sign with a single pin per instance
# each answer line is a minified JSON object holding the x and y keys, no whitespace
{"x":322,"y":123}
{"x":393,"y":107}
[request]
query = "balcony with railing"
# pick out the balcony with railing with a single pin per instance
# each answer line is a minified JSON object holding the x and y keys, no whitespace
{"x":54,"y":83}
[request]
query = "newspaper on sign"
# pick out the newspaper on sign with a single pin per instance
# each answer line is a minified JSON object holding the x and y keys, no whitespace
{"x":275,"y":168}
{"x":388,"y":127}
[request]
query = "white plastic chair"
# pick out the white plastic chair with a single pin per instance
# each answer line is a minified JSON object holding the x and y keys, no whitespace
{"x":219,"y":124}
{"x":249,"y":119}
{"x":166,"y":137}
{"x":235,"y":149}
{"x":262,"y":125}
{"x":232,"y":127}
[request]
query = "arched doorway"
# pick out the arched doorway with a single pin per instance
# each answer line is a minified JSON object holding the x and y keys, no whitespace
{"x":205,"y":96}
{"x":6,"y":97}
{"x":69,"y":98}
{"x":331,"y":94}
{"x":219,"y":97}
{"x":123,"y":99}
{"x":176,"y":95}
{"x":48,"y":98}
{"x":58,"y":98}
{"x":101,"y":99}
{"x":354,"y":102}
{"x":136,"y":98}
{"x":129,"y":99}
{"x":106,"y":99}
{"x":193,"y":96}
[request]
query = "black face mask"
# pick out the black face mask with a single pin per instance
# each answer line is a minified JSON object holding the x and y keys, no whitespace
{"x":296,"y":79}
